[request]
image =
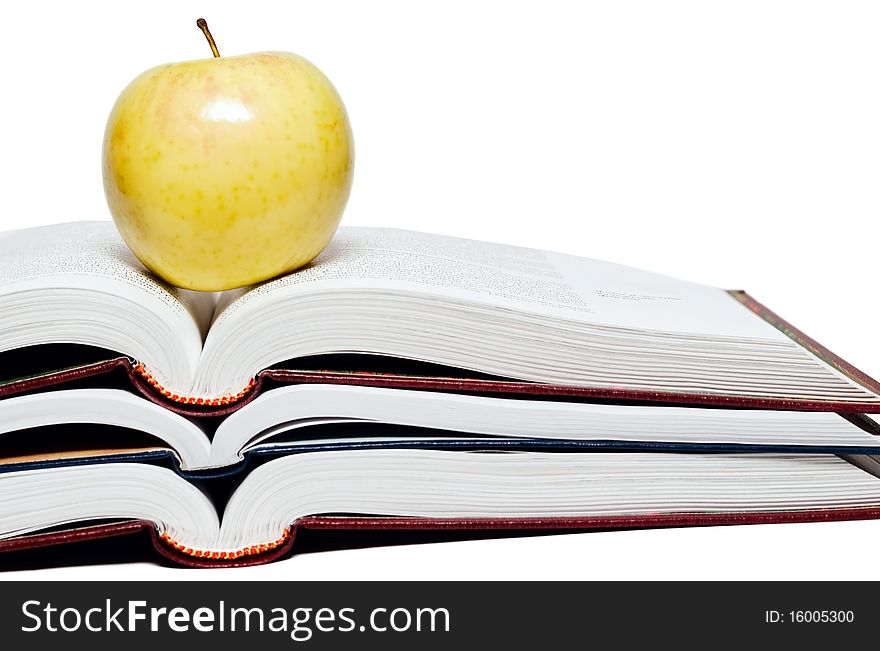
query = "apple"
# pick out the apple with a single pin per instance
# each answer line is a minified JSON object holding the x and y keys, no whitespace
{"x":227,"y":171}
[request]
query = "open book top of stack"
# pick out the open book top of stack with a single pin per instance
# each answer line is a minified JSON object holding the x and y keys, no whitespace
{"x":473,"y":316}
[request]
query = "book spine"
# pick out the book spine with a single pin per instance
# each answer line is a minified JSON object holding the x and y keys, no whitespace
{"x":214,"y":555}
{"x":220,"y":401}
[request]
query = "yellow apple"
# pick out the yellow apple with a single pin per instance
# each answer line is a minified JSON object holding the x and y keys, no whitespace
{"x":227,"y":171}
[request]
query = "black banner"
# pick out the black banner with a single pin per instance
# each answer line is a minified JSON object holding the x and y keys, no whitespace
{"x":432,"y":615}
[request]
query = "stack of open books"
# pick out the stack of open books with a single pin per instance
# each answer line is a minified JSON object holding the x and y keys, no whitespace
{"x":405,"y":381}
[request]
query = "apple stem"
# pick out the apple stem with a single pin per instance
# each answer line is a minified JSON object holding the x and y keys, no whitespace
{"x":203,"y":25}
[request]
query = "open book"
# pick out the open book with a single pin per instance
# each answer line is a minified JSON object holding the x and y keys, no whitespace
{"x":477,"y":489}
{"x":375,"y":294}
{"x":109,"y":422}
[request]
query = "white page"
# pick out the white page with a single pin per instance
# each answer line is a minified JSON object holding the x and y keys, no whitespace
{"x":92,"y":255}
{"x":527,"y":280}
{"x":79,"y":283}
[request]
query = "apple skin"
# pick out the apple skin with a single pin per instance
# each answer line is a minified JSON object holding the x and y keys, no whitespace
{"x":228,"y":171}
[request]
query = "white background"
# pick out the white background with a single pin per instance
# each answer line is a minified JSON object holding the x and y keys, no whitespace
{"x":733,"y":143}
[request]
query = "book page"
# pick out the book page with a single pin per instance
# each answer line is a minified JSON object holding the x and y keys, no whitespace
{"x":92,"y":255}
{"x":523,"y":279}
{"x":79,"y":283}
